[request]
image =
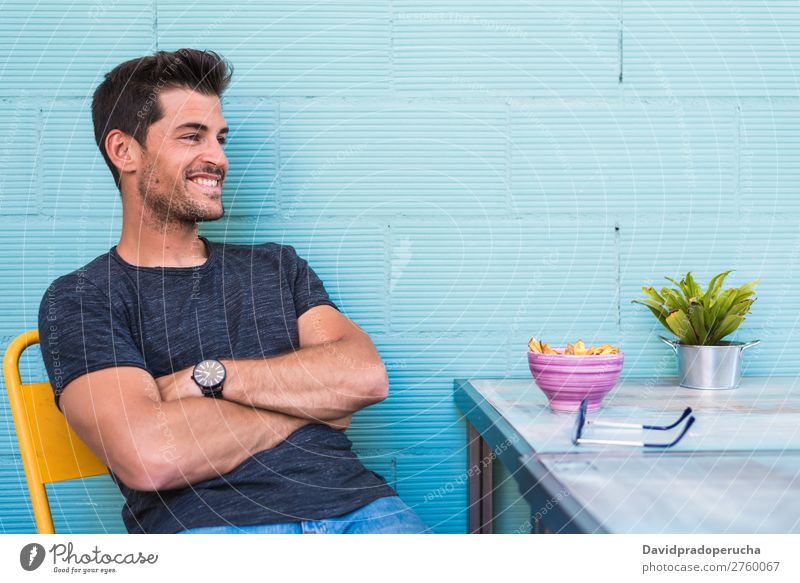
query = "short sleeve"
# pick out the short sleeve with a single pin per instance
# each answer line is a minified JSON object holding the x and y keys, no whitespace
{"x":308,"y":290}
{"x":80,"y":331}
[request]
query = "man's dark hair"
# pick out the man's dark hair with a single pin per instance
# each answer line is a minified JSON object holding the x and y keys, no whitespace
{"x":127,"y":100}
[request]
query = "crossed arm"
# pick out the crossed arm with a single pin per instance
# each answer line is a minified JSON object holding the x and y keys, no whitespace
{"x":336,"y":372}
{"x":156,"y":434}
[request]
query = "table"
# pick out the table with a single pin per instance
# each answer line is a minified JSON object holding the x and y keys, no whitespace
{"x":736,"y":471}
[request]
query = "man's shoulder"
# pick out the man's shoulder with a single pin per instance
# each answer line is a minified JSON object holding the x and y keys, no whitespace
{"x":267,"y":251}
{"x":94,"y":275}
{"x":267,"y":247}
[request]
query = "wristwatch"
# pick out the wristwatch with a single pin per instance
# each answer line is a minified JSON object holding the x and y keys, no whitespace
{"x":210,"y":375}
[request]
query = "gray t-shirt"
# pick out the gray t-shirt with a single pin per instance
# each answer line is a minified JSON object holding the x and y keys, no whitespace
{"x":243,"y":302}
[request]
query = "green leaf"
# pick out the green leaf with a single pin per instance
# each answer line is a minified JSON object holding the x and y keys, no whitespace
{"x":715,"y":285}
{"x":723,"y":304}
{"x":742,"y":307}
{"x":666,"y":293}
{"x":700,"y":317}
{"x":718,"y":312}
{"x":695,"y":291}
{"x":745,"y":291}
{"x":697,"y":320}
{"x":653,"y":305}
{"x":682,"y":288}
{"x":728,"y":325}
{"x":656,"y":308}
{"x":678,"y":323}
{"x":651,"y":292}
{"x":675,"y":301}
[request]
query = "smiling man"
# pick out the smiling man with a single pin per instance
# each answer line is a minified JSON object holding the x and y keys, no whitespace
{"x":214,"y":380}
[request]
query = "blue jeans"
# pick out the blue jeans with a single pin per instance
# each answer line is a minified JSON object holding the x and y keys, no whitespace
{"x":389,"y":515}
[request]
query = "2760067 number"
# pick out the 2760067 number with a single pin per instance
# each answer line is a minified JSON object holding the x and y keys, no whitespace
{"x":768,"y":566}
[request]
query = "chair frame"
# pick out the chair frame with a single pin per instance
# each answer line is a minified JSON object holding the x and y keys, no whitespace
{"x":50,"y":450}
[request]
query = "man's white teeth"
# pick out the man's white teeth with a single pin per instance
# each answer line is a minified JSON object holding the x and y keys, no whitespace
{"x":205,"y":181}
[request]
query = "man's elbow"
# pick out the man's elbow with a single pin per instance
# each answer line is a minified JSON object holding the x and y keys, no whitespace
{"x":141,"y":477}
{"x":378,"y":388}
{"x":150,"y":470}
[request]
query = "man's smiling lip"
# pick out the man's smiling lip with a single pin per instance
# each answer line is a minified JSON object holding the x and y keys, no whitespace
{"x":207,"y":176}
{"x":216,"y":178}
{"x":212,"y":191}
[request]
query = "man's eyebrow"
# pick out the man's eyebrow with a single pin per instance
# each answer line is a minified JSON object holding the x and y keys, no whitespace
{"x":199,"y":127}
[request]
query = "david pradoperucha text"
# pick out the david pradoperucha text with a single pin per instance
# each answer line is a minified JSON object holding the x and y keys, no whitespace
{"x":700,"y":550}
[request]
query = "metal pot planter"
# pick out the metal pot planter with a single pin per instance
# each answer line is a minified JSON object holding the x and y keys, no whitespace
{"x":710,"y":367}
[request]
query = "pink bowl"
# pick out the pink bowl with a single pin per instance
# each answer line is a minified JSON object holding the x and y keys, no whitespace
{"x":568,"y":379}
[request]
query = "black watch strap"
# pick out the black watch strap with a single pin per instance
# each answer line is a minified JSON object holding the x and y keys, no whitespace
{"x":214,"y":392}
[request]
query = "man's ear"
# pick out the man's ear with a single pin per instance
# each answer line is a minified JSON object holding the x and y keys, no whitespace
{"x":124,"y":151}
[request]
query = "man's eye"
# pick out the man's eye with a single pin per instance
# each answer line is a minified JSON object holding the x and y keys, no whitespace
{"x":193,"y":137}
{"x":222,"y":141}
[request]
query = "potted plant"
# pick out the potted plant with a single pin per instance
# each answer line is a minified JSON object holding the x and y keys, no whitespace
{"x":701,"y":319}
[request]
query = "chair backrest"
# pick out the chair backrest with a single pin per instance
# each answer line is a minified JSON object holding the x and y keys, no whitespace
{"x":50,"y":450}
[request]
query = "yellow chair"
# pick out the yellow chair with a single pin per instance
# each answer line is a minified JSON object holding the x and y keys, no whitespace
{"x":51,"y":451}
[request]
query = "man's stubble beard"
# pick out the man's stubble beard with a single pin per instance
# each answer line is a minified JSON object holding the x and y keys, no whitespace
{"x":174,"y":208}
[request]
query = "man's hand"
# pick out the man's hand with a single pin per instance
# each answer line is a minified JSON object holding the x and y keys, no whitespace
{"x":178,"y":385}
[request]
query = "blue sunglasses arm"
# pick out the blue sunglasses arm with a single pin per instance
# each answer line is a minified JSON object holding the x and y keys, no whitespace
{"x":677,"y":439}
{"x":686,"y":413}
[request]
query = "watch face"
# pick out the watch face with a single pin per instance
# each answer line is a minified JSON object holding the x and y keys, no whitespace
{"x":209,"y":373}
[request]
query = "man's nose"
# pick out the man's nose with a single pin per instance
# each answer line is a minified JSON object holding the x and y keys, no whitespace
{"x":215,"y":154}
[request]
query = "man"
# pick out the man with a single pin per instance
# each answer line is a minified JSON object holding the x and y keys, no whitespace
{"x":214,"y":380}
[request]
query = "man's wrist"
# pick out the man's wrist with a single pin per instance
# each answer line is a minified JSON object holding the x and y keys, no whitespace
{"x":231,"y":387}
{"x":192,"y":389}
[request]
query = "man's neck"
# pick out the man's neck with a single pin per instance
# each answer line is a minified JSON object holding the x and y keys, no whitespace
{"x":170,"y":247}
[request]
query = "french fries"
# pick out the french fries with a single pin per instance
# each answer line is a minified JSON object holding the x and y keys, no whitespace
{"x":540,"y":347}
{"x":577,"y":349}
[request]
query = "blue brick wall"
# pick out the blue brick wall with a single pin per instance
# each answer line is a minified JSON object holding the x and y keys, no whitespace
{"x":462,"y":174}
